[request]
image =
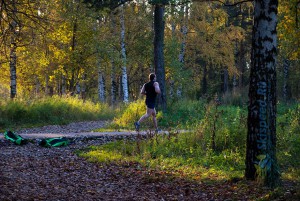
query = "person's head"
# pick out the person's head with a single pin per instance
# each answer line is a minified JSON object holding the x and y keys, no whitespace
{"x":152,"y":77}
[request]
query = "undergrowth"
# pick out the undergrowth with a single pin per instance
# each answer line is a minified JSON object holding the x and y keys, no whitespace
{"x":215,"y":147}
{"x":55,"y":110}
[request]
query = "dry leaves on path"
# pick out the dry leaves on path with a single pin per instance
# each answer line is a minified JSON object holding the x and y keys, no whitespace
{"x":31,"y":172}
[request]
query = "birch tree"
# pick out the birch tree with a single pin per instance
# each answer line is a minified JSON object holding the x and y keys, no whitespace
{"x":13,"y":51}
{"x":123,"y":53}
{"x":113,"y":91}
{"x":101,"y":84}
{"x":183,"y":30}
{"x":261,"y":162}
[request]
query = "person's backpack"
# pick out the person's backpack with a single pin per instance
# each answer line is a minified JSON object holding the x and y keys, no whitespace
{"x":54,"y":142}
{"x":16,"y":139}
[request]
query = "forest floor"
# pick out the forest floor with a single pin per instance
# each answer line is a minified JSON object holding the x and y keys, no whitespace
{"x":31,"y":172}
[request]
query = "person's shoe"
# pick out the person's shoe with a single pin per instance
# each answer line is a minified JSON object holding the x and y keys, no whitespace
{"x":137,"y":126}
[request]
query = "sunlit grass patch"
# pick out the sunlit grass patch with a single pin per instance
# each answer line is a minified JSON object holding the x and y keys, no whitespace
{"x":52,"y":110}
{"x":170,"y":155}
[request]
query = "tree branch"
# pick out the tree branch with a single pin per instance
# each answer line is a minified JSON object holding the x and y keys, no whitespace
{"x":235,"y":4}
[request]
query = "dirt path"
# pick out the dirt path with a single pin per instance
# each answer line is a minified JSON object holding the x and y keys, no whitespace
{"x":31,"y":172}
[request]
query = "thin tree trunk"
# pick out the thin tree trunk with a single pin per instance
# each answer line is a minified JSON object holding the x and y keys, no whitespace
{"x":124,"y":60}
{"x":83,"y":86}
{"x":13,"y":54}
{"x":261,"y":137}
{"x":225,"y":80}
{"x":173,"y":34}
{"x":241,"y":64}
{"x":159,"y":26}
{"x":234,"y":84}
{"x":77,"y":88}
{"x":47,"y":92}
{"x":113,"y":92}
{"x":286,"y":67}
{"x":204,"y":81}
{"x":101,"y":83}
{"x":37,"y":86}
{"x":184,"y":30}
{"x":63,"y":85}
{"x":74,"y":67}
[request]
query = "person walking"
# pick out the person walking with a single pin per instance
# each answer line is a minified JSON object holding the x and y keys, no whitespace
{"x":150,"y":90}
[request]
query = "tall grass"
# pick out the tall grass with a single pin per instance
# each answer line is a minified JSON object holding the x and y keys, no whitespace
{"x":192,"y":154}
{"x":54,"y":110}
{"x":183,"y":114}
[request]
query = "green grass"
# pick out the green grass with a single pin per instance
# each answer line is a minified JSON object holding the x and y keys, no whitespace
{"x":190,"y":155}
{"x":172,"y":155}
{"x":55,"y":110}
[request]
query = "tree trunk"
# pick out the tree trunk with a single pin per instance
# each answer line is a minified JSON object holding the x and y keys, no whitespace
{"x":37,"y":86}
{"x":77,"y":88}
{"x":74,"y":67}
{"x":241,"y":64}
{"x":204,"y":81}
{"x":225,"y":81}
{"x":286,"y":67}
{"x":101,"y":84}
{"x":63,"y":85}
{"x":184,"y":29}
{"x":261,"y":137}
{"x":113,"y":90}
{"x":124,"y":61}
{"x":83,"y":86}
{"x":234,"y":84}
{"x":159,"y":26}
{"x":47,"y":91}
{"x":113,"y":83}
{"x":13,"y":54}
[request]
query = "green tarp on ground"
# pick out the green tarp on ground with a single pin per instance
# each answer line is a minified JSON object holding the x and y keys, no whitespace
{"x":16,"y":139}
{"x":54,"y":142}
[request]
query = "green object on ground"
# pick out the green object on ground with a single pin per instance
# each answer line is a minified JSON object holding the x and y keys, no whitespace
{"x":16,"y":139}
{"x":54,"y":142}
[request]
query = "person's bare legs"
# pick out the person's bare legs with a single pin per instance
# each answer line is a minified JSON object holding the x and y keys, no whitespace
{"x":154,"y":118}
{"x":149,"y":112}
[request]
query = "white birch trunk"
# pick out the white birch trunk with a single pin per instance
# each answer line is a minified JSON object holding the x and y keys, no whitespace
{"x":101,"y":84}
{"x":184,"y":30}
{"x":123,"y":52}
{"x":13,"y":55}
{"x":261,"y":137}
{"x":101,"y":78}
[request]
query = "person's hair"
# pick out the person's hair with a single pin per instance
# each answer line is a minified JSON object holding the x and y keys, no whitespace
{"x":151,"y":76}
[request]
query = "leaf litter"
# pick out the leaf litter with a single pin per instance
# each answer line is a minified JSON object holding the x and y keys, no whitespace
{"x":31,"y":172}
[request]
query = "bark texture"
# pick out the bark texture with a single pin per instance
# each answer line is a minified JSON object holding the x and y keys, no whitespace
{"x":124,"y":61}
{"x":101,"y":84}
{"x":261,"y":137}
{"x":159,"y":26}
{"x":13,"y":54}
